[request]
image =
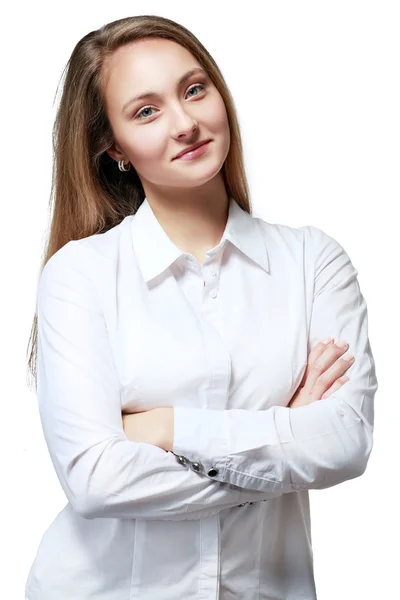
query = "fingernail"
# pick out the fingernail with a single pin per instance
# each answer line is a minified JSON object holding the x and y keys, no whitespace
{"x":341,"y":344}
{"x":329,"y":339}
{"x":348,"y":357}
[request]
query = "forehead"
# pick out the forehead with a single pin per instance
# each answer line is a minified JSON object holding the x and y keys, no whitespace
{"x":150,"y":63}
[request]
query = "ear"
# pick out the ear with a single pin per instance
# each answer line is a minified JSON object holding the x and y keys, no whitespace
{"x":116,"y":153}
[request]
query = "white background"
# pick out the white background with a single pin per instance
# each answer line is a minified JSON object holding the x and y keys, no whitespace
{"x":316,"y":86}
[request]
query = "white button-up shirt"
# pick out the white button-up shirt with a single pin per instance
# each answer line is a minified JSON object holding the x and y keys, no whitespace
{"x":128,"y":322}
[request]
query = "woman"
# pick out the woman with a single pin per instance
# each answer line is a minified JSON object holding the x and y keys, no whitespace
{"x":177,"y":336}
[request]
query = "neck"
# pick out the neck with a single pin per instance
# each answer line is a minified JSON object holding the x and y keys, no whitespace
{"x":195,"y":221}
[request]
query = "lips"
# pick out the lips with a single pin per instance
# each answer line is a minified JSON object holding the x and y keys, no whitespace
{"x":190,"y":148}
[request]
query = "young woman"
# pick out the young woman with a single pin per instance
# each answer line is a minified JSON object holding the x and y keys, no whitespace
{"x":188,"y":399}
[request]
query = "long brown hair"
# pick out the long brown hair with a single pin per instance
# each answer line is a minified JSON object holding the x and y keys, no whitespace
{"x":89,"y":194}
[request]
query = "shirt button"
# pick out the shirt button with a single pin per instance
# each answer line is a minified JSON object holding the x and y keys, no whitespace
{"x":212,"y":472}
{"x":242,"y":504}
{"x":213,"y":274}
{"x":213,"y":293}
{"x":197,"y":466}
{"x":341,"y":412}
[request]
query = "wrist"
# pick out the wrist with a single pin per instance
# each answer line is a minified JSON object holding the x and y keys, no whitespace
{"x":167,"y":428}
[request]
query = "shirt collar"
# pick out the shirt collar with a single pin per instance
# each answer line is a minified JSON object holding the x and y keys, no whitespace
{"x":155,"y":251}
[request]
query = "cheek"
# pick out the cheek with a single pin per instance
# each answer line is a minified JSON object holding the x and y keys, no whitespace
{"x":218,"y":121}
{"x":145,"y":144}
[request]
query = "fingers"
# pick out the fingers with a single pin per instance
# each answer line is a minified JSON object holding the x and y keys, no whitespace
{"x":335,"y":386}
{"x":331,"y":354}
{"x":319,"y":349}
{"x":326,"y":368}
{"x":335,"y":373}
{"x":314,"y":355}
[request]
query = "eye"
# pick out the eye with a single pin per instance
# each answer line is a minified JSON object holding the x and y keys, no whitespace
{"x":197,"y":85}
{"x":141,"y":118}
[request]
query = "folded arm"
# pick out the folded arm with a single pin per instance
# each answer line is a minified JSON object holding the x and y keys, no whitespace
{"x":101,"y":471}
{"x":311,"y":447}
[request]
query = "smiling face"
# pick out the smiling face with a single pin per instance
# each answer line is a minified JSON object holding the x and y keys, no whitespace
{"x":150,"y":132}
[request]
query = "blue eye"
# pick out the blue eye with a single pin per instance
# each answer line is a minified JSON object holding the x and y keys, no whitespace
{"x":197,"y":85}
{"x":137,"y":116}
{"x":143,"y":109}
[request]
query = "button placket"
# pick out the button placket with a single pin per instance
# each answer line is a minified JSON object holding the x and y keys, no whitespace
{"x":210,"y":275}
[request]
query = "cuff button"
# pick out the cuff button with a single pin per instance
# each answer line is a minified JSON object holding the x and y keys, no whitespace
{"x":213,"y":472}
{"x":197,"y":466}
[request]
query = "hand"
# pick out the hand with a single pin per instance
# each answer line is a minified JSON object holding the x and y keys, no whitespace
{"x":323,"y":374}
{"x":154,"y":426}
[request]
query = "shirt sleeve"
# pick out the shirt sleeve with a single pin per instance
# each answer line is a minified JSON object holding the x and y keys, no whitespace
{"x":102,"y":472}
{"x":310,"y":447}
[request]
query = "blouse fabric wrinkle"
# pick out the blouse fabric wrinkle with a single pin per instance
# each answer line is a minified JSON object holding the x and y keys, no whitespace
{"x":128,"y":322}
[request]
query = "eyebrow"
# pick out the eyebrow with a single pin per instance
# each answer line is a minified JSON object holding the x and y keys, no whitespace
{"x":156,"y":94}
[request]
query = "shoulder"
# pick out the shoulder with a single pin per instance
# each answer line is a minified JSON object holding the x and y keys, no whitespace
{"x":307,"y":246}
{"x":106,"y":244}
{"x":88,"y":254}
{"x":65,"y":280}
{"x":313,"y":240}
{"x":66,"y":258}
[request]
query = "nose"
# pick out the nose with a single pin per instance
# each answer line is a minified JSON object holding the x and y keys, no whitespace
{"x":186,"y":125}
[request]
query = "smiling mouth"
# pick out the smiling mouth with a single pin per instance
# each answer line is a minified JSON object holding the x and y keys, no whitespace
{"x":200,"y":149}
